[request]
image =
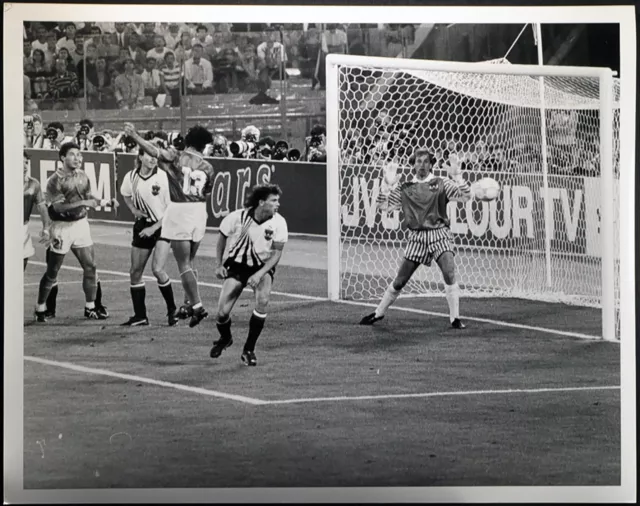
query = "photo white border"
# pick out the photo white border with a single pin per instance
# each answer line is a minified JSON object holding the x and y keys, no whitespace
{"x":14,"y":16}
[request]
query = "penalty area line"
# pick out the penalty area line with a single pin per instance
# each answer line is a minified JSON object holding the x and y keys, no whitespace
{"x":441,"y":394}
{"x":489,"y":321}
{"x":149,"y":381}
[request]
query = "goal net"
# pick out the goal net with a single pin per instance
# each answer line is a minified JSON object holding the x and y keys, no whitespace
{"x":539,"y":137}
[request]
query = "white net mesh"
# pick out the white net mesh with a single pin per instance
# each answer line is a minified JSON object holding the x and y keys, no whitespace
{"x":494,"y":123}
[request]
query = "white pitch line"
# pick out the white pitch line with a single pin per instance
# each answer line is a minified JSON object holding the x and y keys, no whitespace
{"x":80,"y":282}
{"x":440,"y":394}
{"x":498,"y":323}
{"x":140,"y":379}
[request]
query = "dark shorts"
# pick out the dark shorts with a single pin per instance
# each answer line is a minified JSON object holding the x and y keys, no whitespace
{"x":242,"y":273}
{"x":145,"y":242}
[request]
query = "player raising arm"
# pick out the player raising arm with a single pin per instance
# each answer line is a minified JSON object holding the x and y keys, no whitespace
{"x":257,"y":235}
{"x":32,"y":194}
{"x":69,"y":196}
{"x":145,"y":190}
{"x":423,"y":201}
{"x":184,"y":222}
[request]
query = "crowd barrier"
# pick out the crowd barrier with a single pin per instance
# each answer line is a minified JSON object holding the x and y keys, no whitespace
{"x":303,"y":185}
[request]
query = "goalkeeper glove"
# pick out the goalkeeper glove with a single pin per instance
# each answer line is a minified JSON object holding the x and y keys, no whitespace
{"x":390,"y":178}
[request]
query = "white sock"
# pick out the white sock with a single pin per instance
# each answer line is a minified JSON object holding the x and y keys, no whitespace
{"x":452,"y":293}
{"x":389,"y":297}
{"x":90,"y":305}
{"x":41,"y":308}
{"x":197,"y":306}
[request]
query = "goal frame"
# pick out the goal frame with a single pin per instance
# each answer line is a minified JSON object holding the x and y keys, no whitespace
{"x":605,"y":78}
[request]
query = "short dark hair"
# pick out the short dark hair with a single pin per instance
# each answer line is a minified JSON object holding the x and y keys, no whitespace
{"x":66,"y":147}
{"x":198,"y":137}
{"x":87,"y":122}
{"x":202,"y":27}
{"x":422,"y":151}
{"x":261,"y":192}
{"x":57,"y":125}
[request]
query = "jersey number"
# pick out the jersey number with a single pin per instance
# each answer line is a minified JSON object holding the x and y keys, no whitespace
{"x":193,"y":181}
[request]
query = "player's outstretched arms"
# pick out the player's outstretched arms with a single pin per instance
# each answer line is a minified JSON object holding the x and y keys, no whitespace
{"x":148,"y":147}
{"x":456,"y":188}
{"x":389,"y":197}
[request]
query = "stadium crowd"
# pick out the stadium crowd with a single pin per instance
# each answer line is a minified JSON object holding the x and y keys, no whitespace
{"x":117,"y":65}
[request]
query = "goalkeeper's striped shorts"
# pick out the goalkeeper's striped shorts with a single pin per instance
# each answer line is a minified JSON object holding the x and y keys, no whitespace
{"x":424,"y":246}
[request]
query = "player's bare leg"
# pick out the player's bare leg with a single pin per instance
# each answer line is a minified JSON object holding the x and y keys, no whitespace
{"x":406,"y":270}
{"x":158,"y":263}
{"x":49,"y":279}
{"x":447,"y":265}
{"x":86,"y":257}
{"x":182,"y":253}
{"x":139,"y":259}
{"x":231,"y":291}
{"x":185,"y":310}
{"x":256,"y":323}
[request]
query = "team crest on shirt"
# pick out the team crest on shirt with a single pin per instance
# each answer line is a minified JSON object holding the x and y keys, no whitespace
{"x":268,"y":234}
{"x":155,"y":189}
{"x":433,"y":185}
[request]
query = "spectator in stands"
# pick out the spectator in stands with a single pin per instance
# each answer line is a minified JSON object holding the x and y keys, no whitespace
{"x":41,"y":39}
{"x":33,"y":134}
{"x":51,"y":51}
{"x":26,"y":87}
{"x":84,"y":131}
{"x":63,"y":54}
{"x":147,"y":36}
{"x":183,"y":49}
{"x":64,"y":87}
{"x":246,"y":69}
{"x":67,"y":41}
{"x":198,"y":72}
{"x":99,"y":90}
{"x":202,"y":37}
{"x":309,"y":48}
{"x":88,"y":29}
{"x":27,"y":60}
{"x":136,"y":53}
{"x":153,"y":80}
{"x":122,"y":35}
{"x":39,"y":73}
{"x":316,"y":145}
{"x":171,"y":75}
{"x":224,"y":58}
{"x":270,"y":64}
{"x":78,"y":52}
{"x":53,"y":137}
{"x":159,"y":51}
{"x":172,"y":37}
{"x":128,"y":87}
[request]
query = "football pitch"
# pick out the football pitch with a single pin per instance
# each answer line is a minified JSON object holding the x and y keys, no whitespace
{"x":521,"y":397}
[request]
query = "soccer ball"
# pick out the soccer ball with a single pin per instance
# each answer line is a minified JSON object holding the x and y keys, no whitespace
{"x":486,"y":189}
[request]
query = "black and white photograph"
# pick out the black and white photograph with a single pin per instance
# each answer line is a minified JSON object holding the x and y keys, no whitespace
{"x":319,"y":253}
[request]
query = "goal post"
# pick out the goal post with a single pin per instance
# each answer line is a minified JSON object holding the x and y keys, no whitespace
{"x":553,"y":233}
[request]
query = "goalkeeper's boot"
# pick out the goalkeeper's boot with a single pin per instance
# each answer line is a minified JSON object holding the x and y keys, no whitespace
{"x":173,"y":317}
{"x":219,"y":346}
{"x":94,"y":314}
{"x":41,"y":316}
{"x":370,"y":319}
{"x":457,"y":324}
{"x":197,"y":315}
{"x":249,"y":358}
{"x":136,"y":321}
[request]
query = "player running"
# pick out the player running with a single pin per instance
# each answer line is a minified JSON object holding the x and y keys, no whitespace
{"x":257,"y":235}
{"x":423,"y":201}
{"x":146,"y":193}
{"x":184,"y":222}
{"x":68,"y":196}
{"x":33,"y":197}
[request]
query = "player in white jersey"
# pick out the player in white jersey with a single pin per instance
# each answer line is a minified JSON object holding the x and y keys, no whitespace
{"x":146,"y":193}
{"x":257,"y":235}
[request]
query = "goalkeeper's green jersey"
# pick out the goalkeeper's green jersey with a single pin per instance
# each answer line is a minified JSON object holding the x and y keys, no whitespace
{"x":424,"y":203}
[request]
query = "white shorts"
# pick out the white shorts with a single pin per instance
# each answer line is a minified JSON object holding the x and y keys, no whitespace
{"x":70,"y":234}
{"x":424,"y":246}
{"x":185,"y":221}
{"x":27,"y":243}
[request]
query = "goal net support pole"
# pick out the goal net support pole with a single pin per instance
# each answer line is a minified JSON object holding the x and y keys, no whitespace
{"x":340,"y":251}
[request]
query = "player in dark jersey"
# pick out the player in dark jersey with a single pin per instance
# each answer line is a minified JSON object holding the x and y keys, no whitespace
{"x":185,"y":220}
{"x":423,"y":201}
{"x":68,"y":196}
{"x":33,"y":197}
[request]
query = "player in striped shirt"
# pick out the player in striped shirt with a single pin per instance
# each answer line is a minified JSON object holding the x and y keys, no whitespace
{"x":423,"y":201}
{"x":184,"y":222}
{"x":256,"y":235}
{"x":146,"y":193}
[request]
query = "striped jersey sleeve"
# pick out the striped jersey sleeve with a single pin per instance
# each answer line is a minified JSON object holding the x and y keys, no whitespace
{"x":392,"y":201}
{"x":457,"y":191}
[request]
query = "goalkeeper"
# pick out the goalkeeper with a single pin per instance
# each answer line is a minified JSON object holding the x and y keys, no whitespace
{"x":423,"y":201}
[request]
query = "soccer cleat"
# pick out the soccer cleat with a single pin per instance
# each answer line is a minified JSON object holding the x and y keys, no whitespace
{"x":185,"y":311}
{"x":249,"y":358}
{"x":49,"y":313}
{"x":370,"y":319}
{"x":172,"y":317}
{"x":457,"y":324}
{"x":93,"y":314}
{"x":219,"y":346}
{"x":41,"y":316}
{"x":102,"y":311}
{"x":197,"y":316}
{"x":135,"y":321}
